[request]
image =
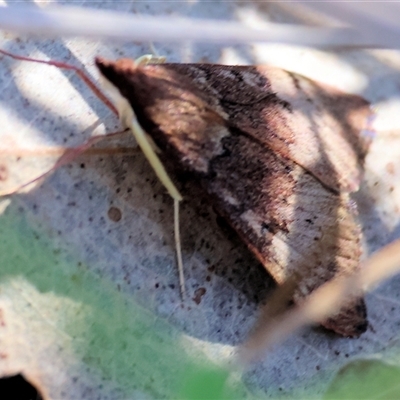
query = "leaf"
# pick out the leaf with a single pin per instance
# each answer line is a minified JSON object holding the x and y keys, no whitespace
{"x":365,"y":379}
{"x":83,"y":323}
{"x":127,"y":269}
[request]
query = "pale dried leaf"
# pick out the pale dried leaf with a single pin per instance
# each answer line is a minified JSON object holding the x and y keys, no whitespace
{"x":134,"y":257}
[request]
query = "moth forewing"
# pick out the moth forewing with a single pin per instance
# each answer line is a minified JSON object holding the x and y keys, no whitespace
{"x":236,"y":135}
{"x":336,"y":133}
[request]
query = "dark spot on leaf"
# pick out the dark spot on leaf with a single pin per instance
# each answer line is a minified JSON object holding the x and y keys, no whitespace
{"x":114,"y":214}
{"x":198,"y":294}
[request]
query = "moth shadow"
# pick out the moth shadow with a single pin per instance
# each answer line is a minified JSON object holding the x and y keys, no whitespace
{"x":225,"y":253}
{"x":225,"y":284}
{"x":136,"y":252}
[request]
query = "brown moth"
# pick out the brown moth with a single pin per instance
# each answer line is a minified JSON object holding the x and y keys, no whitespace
{"x":277,"y":154}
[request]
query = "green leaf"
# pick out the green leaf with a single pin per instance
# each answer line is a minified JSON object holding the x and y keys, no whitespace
{"x":66,"y":306}
{"x":366,"y":379}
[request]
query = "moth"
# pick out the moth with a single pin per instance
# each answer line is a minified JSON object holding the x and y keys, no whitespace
{"x":276,"y":153}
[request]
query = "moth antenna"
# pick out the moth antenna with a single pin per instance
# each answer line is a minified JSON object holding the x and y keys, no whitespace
{"x":155,"y":162}
{"x":146,"y":144}
{"x":92,"y":86}
{"x":143,"y":142}
{"x":179,"y":249}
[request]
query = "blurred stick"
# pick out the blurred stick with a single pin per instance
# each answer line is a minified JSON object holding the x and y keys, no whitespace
{"x":377,"y":20}
{"x":112,"y":25}
{"x":321,"y":303}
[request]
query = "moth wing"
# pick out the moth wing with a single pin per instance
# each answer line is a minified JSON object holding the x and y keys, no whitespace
{"x":322,"y":129}
{"x":290,"y":221}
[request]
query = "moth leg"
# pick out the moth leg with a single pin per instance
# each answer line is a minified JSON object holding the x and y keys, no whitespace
{"x":150,"y":59}
{"x":153,"y":58}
